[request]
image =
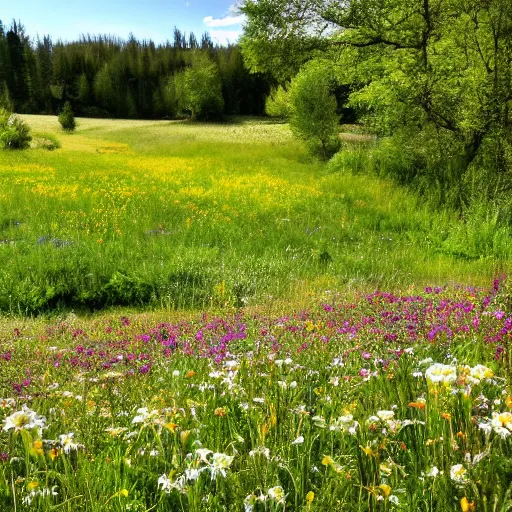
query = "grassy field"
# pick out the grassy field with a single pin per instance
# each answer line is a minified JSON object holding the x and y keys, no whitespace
{"x":295,"y":336}
{"x":177,"y":215}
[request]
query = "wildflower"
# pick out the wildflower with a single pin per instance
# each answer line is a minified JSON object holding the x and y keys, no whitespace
{"x":260,"y":450}
{"x":433,"y":472}
{"x":503,"y":419}
{"x":385,"y":415}
{"x":115,"y":431}
{"x":277,"y":494}
{"x":37,"y":447}
{"x":299,"y":440}
{"x":480,"y":372}
{"x":310,"y":496}
{"x":458,"y":474}
{"x":203,"y":454}
{"x":66,"y":441}
{"x":386,"y":489}
{"x":25,"y":419}
{"x":441,"y":373}
{"x":345,"y":424}
{"x":220,"y":462}
{"x":165,"y":483}
{"x":465,"y":505}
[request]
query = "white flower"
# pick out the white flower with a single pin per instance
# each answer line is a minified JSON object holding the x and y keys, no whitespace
{"x":66,"y":441}
{"x":203,"y":454}
{"x":165,"y":483}
{"x":176,"y":373}
{"x":24,"y":419}
{"x":276,"y":494}
{"x":503,"y":419}
{"x":441,"y":373}
{"x":220,"y":462}
{"x":393,"y":499}
{"x":433,"y":472}
{"x":458,"y":474}
{"x":299,"y":440}
{"x":191,"y":475}
{"x":258,"y":400}
{"x":385,"y":415}
{"x":293,"y":384}
{"x":502,"y":432}
{"x":480,"y":372}
{"x":486,"y":427}
{"x":260,"y":450}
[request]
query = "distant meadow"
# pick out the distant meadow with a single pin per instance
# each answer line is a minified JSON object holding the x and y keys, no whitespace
{"x":176,"y":215}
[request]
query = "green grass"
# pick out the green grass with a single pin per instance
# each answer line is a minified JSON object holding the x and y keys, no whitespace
{"x":182,"y":215}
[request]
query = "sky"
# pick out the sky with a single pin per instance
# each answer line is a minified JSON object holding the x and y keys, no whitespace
{"x":146,"y":19}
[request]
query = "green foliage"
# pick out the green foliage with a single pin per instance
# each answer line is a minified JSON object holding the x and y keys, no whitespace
{"x":314,"y":115}
{"x":5,"y":98}
{"x":201,"y":88}
{"x":67,"y":118}
{"x":278,"y":103}
{"x":14,"y":132}
{"x":434,"y":75}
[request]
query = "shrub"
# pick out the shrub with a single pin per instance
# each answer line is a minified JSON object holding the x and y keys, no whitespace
{"x":45,"y":141}
{"x":67,"y":118}
{"x":14,"y":132}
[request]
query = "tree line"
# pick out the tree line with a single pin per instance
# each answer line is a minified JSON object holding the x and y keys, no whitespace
{"x":104,"y":76}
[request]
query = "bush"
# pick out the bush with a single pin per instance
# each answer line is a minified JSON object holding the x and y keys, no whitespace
{"x":45,"y":141}
{"x":14,"y":132}
{"x":67,"y":118}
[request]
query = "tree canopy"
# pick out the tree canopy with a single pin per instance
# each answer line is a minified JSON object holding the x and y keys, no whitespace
{"x":440,"y":70}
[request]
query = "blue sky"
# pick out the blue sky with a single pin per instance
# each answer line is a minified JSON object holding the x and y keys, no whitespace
{"x":147,"y":19}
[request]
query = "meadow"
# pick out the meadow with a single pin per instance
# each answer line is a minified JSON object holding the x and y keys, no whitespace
{"x":177,"y":215}
{"x":383,"y":402}
{"x":204,"y":318}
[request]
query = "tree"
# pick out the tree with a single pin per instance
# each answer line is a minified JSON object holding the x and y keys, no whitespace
{"x":67,"y":118}
{"x":313,"y":109}
{"x":203,"y":88}
{"x":437,"y":73}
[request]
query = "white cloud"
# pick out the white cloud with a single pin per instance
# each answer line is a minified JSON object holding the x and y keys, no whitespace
{"x":227,"y":21}
{"x":224,"y":37}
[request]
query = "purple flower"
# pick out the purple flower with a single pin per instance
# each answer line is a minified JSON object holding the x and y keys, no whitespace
{"x":144,"y":368}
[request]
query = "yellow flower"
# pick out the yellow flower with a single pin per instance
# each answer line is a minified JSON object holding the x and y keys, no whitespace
{"x":386,"y":489}
{"x":465,"y":505}
{"x":368,"y":451}
{"x":327,"y":461}
{"x":310,"y":496}
{"x":32,"y":485}
{"x":37,"y":447}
